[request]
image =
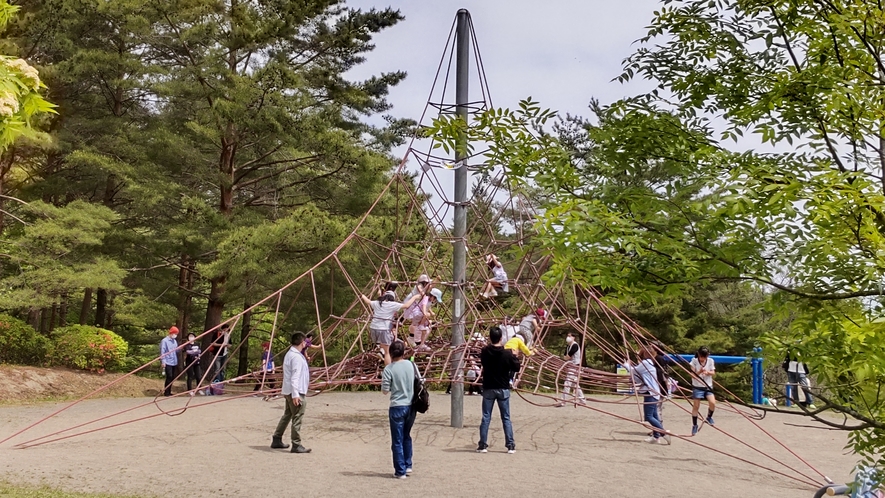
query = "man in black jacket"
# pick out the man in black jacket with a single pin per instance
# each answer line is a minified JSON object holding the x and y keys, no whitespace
{"x":497,"y":363}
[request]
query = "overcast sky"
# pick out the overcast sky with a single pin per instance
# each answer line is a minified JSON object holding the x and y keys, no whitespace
{"x":561,"y":53}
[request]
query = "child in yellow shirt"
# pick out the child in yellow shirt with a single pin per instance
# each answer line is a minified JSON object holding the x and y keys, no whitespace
{"x":517,"y":345}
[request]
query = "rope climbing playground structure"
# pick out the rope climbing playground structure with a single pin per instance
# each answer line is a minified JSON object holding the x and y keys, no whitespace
{"x":492,"y":221}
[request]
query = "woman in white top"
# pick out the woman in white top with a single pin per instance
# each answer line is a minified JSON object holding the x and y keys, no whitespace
{"x":703,"y":368}
{"x":384,"y":310}
{"x":498,"y":280}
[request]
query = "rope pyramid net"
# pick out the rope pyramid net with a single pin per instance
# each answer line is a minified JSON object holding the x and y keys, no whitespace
{"x":501,"y":217}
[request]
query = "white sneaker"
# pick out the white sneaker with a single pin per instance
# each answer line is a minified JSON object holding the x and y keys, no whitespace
{"x":664,"y":440}
{"x":667,"y":438}
{"x":404,"y":476}
{"x":651,"y":439}
{"x":409,"y":470}
{"x":511,"y":451}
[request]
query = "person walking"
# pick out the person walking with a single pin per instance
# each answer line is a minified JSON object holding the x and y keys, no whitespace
{"x":398,"y":380}
{"x":192,"y":355}
{"x":497,"y":363}
{"x":797,"y":377}
{"x":169,"y":358}
{"x":645,"y":378}
{"x":296,"y":378}
{"x":704,"y":368}
{"x":572,"y":388}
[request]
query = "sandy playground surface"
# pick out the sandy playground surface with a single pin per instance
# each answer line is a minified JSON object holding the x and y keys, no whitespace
{"x":223,"y":450}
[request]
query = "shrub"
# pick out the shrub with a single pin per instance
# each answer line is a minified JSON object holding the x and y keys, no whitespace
{"x":88,"y":348}
{"x":21,"y":344}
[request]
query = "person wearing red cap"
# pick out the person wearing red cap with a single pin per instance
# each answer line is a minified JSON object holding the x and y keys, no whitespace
{"x":169,"y":358}
{"x":267,"y":369}
{"x":529,"y":325}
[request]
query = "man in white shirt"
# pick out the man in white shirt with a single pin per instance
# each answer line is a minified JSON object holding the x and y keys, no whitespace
{"x":296,"y":378}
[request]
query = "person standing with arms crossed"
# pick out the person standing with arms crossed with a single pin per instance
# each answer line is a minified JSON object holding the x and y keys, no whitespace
{"x":296,"y":378}
{"x":398,"y":380}
{"x":497,"y":363}
{"x":169,"y":358}
{"x":704,"y":368}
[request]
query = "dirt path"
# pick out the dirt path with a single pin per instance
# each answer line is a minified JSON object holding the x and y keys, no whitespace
{"x":223,"y":450}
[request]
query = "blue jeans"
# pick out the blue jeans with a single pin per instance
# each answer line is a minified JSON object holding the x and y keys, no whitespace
{"x":219,"y":368}
{"x":502,"y":396}
{"x":799,"y":381}
{"x":401,"y":420}
{"x":650,"y":412}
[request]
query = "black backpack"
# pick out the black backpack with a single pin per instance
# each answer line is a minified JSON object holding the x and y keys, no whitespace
{"x":420,"y":396}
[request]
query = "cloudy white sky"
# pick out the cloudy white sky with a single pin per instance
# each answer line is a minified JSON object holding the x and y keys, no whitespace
{"x":560,"y":52}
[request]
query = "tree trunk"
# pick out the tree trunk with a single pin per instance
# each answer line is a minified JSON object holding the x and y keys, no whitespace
{"x":34,"y":318}
{"x":53,"y":316}
{"x":243,"y":365}
{"x":7,"y":159}
{"x":63,"y":311}
{"x":185,"y":296}
{"x":215,"y":306}
{"x":101,"y":307}
{"x":109,"y":315}
{"x":86,"y":307}
{"x":44,"y":321}
{"x":214,"y":311}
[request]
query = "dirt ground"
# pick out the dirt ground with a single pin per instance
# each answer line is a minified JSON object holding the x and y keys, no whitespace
{"x":223,"y":450}
{"x":19,"y":384}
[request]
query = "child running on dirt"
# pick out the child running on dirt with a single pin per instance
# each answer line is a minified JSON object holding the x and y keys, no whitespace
{"x":704,"y":368}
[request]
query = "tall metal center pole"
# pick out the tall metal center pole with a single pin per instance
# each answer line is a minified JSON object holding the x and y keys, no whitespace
{"x":459,"y":266}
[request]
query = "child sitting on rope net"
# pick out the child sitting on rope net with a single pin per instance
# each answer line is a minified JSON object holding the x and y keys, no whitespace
{"x":498,"y":280}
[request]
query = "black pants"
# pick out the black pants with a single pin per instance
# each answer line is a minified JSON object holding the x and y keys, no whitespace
{"x":170,"y":374}
{"x":194,"y":374}
{"x":271,"y":384}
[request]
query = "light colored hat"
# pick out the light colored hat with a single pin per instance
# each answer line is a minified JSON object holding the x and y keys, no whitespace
{"x":437,"y":294}
{"x":423,"y":278}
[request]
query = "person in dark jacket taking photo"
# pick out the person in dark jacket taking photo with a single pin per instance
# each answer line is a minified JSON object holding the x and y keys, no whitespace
{"x":497,"y":364}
